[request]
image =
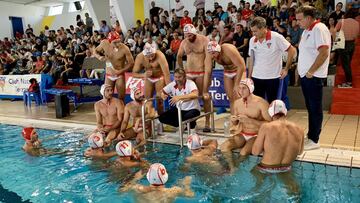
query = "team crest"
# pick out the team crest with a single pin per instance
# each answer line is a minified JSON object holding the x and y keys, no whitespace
{"x":268,"y":45}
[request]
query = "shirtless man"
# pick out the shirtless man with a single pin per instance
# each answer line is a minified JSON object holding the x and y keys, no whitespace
{"x":118,"y":60}
{"x":32,"y":140}
{"x":198,"y":63}
{"x":96,"y":150}
{"x":202,"y":151}
{"x":128,"y":156}
{"x":133,"y":110}
{"x":249,"y":113}
{"x":109,"y":114}
{"x":280,"y":141}
{"x":229,"y":57}
{"x":156,"y":74}
{"x":157,"y":192}
{"x":33,"y":146}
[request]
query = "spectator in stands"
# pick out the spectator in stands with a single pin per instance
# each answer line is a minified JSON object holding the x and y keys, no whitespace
{"x":39,"y":65}
{"x":174,"y":48}
{"x":214,"y":36}
{"x":283,"y":14}
{"x":155,"y":11}
{"x":351,"y":31}
{"x":223,"y":16}
{"x":246,"y":12}
{"x":29,"y":30}
{"x":277,"y":27}
{"x":219,"y":25}
{"x":199,"y":4}
{"x":185,"y":20}
{"x":295,"y":33}
{"x":179,"y":9}
{"x":89,"y":23}
{"x":232,"y":15}
{"x":241,"y":40}
{"x":228,"y":36}
{"x":338,"y":13}
{"x":117,"y":27}
{"x":79,"y":21}
{"x":104,"y":28}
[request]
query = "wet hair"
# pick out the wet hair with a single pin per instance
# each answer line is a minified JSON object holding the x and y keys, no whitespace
{"x":259,"y":22}
{"x":307,"y":11}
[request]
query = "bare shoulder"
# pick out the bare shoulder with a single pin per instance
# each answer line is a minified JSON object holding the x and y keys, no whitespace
{"x":261,"y":101}
{"x":97,"y":104}
{"x":294,"y":126}
{"x":228,"y":47}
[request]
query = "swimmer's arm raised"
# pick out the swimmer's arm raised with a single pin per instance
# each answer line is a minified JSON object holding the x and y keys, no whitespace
{"x":180,"y":55}
{"x":165,"y":68}
{"x":258,"y":146}
{"x":138,"y":66}
{"x":98,"y":50}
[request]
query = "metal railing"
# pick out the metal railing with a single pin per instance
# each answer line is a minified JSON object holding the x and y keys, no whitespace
{"x":143,"y":109}
{"x":187,"y":122}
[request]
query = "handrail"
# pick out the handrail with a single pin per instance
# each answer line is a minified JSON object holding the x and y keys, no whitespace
{"x":212,"y":119}
{"x":143,"y":113}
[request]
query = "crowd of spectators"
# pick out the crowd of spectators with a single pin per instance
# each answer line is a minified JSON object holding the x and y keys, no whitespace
{"x":61,"y":52}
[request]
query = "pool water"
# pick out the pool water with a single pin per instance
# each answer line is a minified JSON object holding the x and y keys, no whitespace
{"x":72,"y":178}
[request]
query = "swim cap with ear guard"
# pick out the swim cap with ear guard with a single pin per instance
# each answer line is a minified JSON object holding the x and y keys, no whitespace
{"x":26,"y":132}
{"x":189,"y":29}
{"x":213,"y":46}
{"x":149,"y":49}
{"x":102,"y":88}
{"x":277,"y":106}
{"x":157,"y":174}
{"x":194,"y":142}
{"x":124,"y":148}
{"x":249,"y":83}
{"x":96,"y":140}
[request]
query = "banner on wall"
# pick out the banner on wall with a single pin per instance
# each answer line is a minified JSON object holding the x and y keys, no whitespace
{"x":216,"y":90}
{"x":15,"y":85}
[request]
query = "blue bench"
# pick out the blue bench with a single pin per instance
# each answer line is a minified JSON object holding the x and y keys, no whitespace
{"x":69,"y":93}
{"x":28,"y":96}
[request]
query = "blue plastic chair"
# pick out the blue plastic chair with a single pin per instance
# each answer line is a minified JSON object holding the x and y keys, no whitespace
{"x":29,"y":96}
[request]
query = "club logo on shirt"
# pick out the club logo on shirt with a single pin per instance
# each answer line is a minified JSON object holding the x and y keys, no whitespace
{"x":268,"y":45}
{"x":307,"y":37}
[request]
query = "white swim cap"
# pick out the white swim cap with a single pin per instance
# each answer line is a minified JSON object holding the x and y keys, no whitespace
{"x":194,"y":142}
{"x":102,"y":88}
{"x":149,"y":49}
{"x":277,"y":106}
{"x":96,"y":140}
{"x":157,"y":174}
{"x":124,"y":148}
{"x":189,"y":28}
{"x":213,"y":46}
{"x":132,"y":92}
{"x":249,"y":83}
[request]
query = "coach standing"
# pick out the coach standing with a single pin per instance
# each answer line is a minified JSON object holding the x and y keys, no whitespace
{"x":314,"y":56}
{"x":265,"y":50}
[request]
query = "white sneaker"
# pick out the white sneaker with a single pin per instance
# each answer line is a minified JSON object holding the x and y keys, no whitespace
{"x":310,"y":145}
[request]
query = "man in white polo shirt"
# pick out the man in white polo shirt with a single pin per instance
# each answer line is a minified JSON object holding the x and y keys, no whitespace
{"x":265,"y":68}
{"x":314,"y":56}
{"x":180,"y":89}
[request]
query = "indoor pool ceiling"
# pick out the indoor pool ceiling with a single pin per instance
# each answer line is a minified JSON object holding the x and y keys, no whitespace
{"x":43,"y":3}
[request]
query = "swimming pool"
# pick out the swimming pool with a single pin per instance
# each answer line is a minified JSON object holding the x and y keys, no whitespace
{"x":73,"y":178}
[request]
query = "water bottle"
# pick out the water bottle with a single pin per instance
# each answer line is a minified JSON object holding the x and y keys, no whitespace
{"x":227,"y":128}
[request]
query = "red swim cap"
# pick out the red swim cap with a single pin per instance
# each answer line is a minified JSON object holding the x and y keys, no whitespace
{"x":26,"y":133}
{"x":113,"y":35}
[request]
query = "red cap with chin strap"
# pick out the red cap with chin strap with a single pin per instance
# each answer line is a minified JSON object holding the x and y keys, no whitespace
{"x":26,"y":133}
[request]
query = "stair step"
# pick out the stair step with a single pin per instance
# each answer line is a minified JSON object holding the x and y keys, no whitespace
{"x":345,"y":108}
{"x":346,"y":95}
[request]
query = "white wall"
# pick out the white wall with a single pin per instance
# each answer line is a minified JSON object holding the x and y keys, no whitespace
{"x":67,"y":19}
{"x":32,"y":15}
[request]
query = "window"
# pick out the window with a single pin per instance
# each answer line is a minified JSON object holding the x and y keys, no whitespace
{"x":72,"y":7}
{"x":55,"y":10}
